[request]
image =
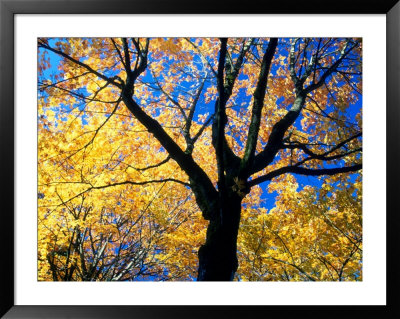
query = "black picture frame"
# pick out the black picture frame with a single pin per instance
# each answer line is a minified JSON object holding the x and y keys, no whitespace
{"x":9,"y":8}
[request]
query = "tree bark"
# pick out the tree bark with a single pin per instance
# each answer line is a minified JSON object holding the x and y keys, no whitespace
{"x":217,"y":257}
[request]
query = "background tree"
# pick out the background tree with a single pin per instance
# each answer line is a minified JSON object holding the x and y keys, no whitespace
{"x":216,"y":117}
{"x":310,"y":235}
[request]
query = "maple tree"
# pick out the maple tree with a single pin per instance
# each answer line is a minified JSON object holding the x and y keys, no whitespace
{"x":153,"y":149}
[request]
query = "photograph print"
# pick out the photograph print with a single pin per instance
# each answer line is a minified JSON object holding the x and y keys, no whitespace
{"x":199,"y":159}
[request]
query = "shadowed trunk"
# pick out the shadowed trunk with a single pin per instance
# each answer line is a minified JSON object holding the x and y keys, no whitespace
{"x":217,"y":257}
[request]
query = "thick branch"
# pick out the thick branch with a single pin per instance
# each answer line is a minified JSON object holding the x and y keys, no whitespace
{"x":127,"y":56}
{"x":258,"y":104}
{"x":102,"y":76}
{"x":232,"y":70}
{"x":220,"y":118}
{"x":304,"y":171}
{"x":206,"y":195}
{"x":199,"y":181}
{"x":274,"y":143}
{"x":225,"y":88}
{"x":292,"y":62}
{"x":321,"y":157}
{"x":324,"y":156}
{"x":140,"y":66}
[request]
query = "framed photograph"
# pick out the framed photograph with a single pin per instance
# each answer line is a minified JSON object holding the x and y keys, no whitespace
{"x":149,"y":144}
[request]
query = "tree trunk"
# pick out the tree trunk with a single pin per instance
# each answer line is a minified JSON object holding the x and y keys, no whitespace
{"x":217,"y":257}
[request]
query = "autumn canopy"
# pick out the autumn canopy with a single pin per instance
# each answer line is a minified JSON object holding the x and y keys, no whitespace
{"x":199,"y":159}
